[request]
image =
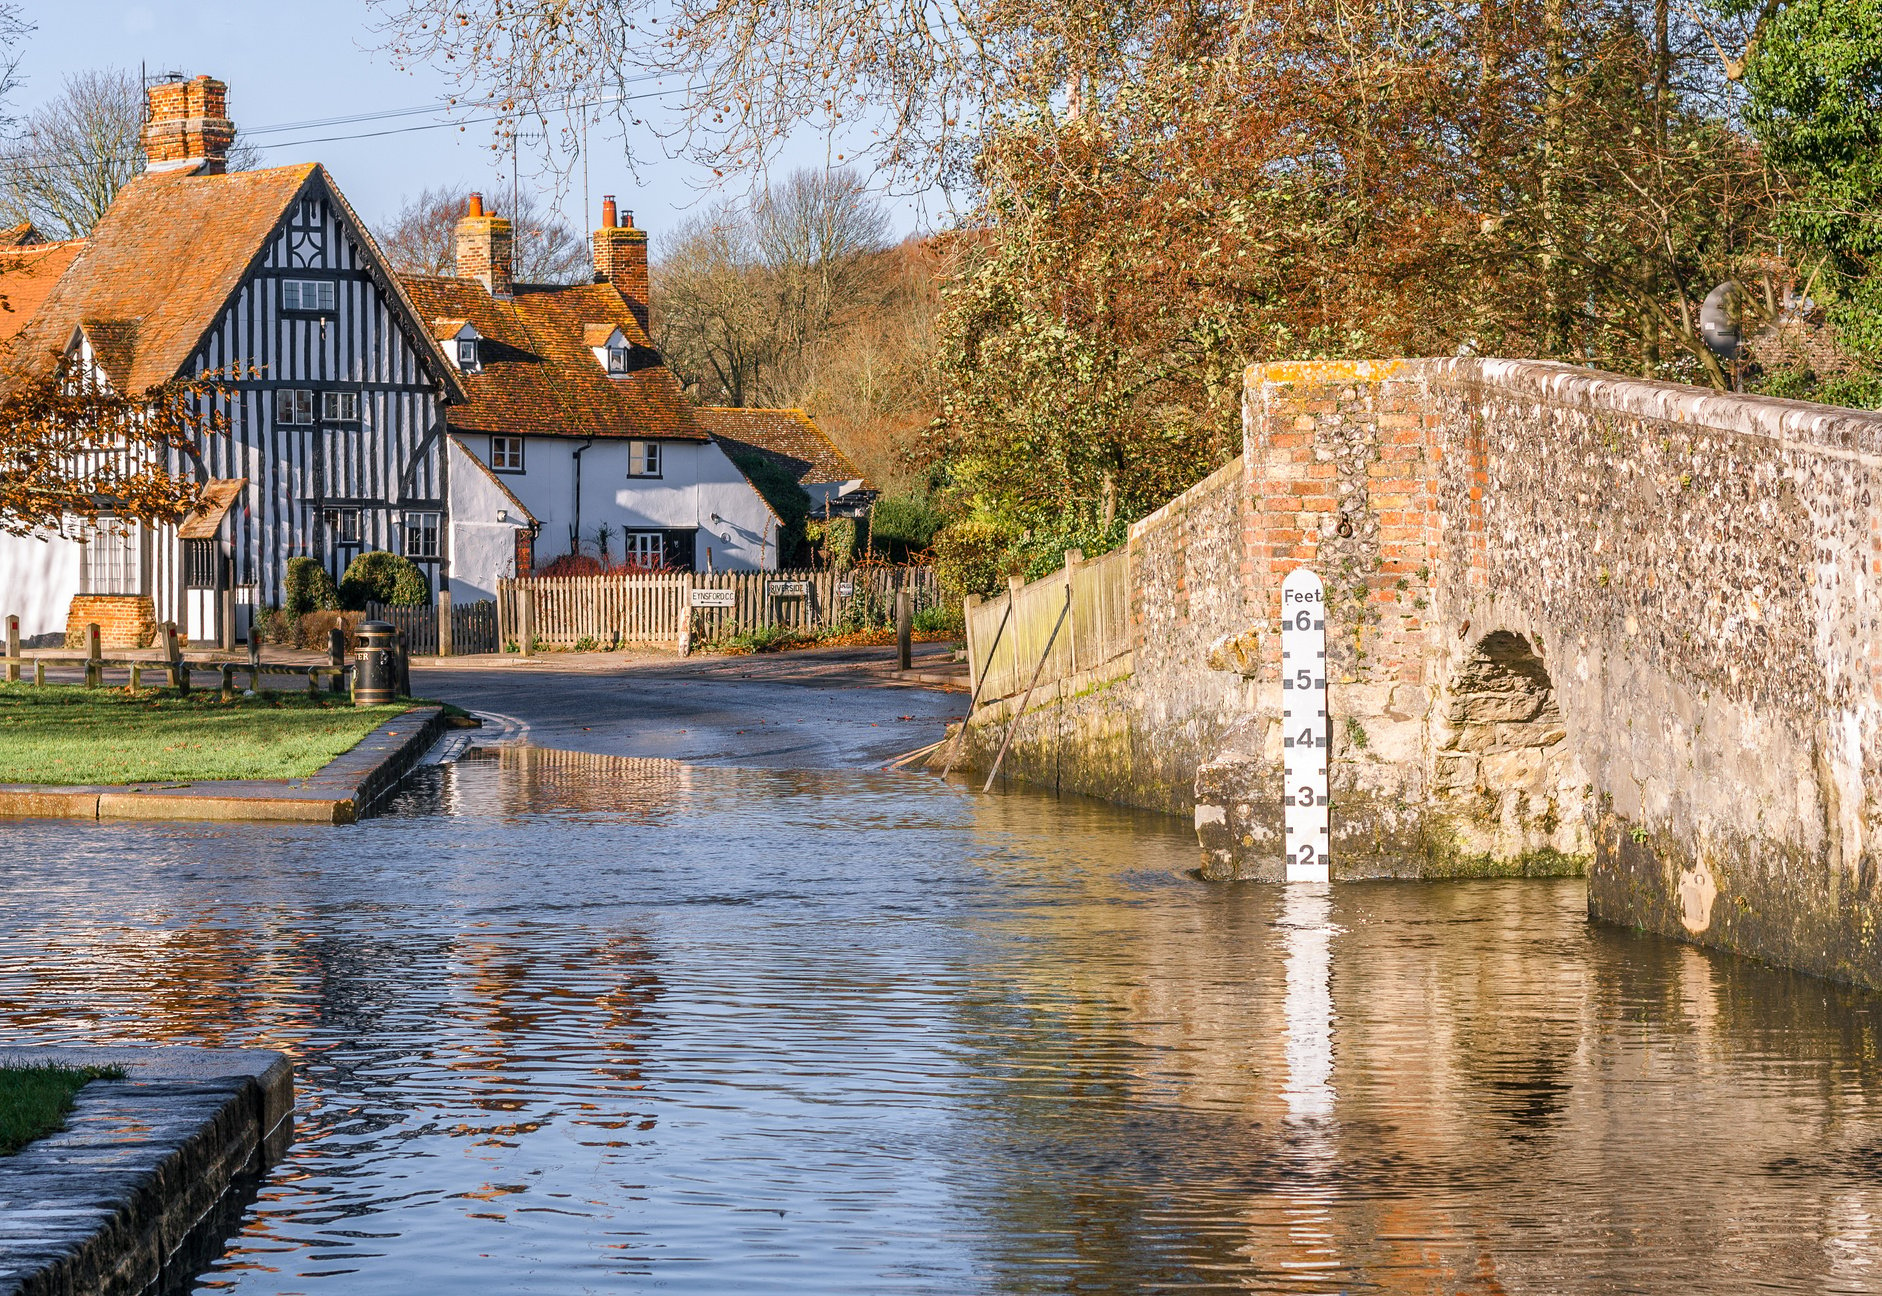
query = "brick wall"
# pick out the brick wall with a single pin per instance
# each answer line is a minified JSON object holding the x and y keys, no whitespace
{"x":123,"y":620}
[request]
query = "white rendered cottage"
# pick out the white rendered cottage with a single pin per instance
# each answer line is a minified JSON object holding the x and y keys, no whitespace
{"x":574,"y":437}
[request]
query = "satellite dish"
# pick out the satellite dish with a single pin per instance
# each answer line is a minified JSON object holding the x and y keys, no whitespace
{"x":1718,"y":321}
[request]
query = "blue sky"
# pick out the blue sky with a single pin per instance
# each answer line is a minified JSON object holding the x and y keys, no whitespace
{"x":315,"y":59}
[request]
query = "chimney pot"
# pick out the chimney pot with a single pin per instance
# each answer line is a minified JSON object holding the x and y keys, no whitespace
{"x":621,"y":257}
{"x":486,"y":248}
{"x":186,"y":126}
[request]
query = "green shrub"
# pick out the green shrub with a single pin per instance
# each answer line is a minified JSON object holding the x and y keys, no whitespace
{"x":382,"y":577}
{"x":903,"y":525}
{"x":306,"y":587}
{"x":756,"y":639}
{"x":970,"y":557}
{"x":945,"y":617}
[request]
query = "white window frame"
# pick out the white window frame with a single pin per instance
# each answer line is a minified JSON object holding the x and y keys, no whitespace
{"x":506,"y":454}
{"x":645,"y":459}
{"x":294,"y":406}
{"x":420,"y":534}
{"x":343,"y":525}
{"x":339,"y":407}
{"x":635,"y":547}
{"x":307,"y":295}
{"x":467,"y":354}
{"x":617,"y":358}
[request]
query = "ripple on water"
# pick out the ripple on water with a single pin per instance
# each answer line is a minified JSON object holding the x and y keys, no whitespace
{"x":567,"y":1022}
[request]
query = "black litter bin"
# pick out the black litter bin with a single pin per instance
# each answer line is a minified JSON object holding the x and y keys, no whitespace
{"x":375,"y":665}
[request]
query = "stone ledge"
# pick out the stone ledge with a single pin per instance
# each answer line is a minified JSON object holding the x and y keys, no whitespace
{"x":341,"y":792}
{"x":138,"y":1188}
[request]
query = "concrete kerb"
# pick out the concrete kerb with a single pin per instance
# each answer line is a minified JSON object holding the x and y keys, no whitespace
{"x":343,"y":791}
{"x":150,"y":1172}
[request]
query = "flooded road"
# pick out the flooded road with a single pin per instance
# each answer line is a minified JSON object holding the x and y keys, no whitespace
{"x":572,"y":1022}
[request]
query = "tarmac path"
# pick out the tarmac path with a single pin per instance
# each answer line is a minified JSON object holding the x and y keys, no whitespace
{"x":817,"y":709}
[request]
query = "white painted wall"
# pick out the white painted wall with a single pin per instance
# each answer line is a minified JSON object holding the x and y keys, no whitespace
{"x":37,"y":581}
{"x":697,"y":482}
{"x":483,"y":549}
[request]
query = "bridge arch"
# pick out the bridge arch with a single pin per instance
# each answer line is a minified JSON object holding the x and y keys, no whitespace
{"x":1506,"y":779}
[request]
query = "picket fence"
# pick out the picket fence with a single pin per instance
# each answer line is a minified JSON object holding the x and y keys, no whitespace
{"x":473,"y":626}
{"x":652,"y":608}
{"x":1095,"y":629}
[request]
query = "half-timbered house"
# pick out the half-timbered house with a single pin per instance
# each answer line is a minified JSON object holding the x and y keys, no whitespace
{"x":334,"y":438}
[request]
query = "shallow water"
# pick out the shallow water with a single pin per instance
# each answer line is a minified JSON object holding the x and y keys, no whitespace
{"x":579,"y":1023}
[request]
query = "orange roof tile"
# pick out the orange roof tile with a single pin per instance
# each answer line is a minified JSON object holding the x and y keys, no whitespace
{"x":167,"y":258}
{"x":27,"y":276}
{"x":789,"y":437}
{"x":536,"y":375}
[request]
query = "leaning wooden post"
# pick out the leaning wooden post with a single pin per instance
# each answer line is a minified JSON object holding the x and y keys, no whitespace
{"x":973,"y":701}
{"x":173,"y":653}
{"x":13,"y":650}
{"x":444,"y":623}
{"x":94,"y":654}
{"x":1020,"y":710}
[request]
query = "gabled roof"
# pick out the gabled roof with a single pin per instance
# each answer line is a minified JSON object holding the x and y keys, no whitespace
{"x":218,"y":498}
{"x":496,"y":481}
{"x":28,"y":272}
{"x":788,"y":437}
{"x":170,"y":254}
{"x":537,"y":376}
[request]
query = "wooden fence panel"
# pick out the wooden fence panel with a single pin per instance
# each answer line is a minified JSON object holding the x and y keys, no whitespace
{"x":1096,"y":627}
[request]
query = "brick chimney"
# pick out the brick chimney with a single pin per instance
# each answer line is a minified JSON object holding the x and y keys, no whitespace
{"x":621,"y":257}
{"x":486,"y":248}
{"x":187,"y":126}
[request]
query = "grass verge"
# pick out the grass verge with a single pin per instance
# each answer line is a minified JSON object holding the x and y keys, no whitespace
{"x":65,"y":734}
{"x":34,"y":1100}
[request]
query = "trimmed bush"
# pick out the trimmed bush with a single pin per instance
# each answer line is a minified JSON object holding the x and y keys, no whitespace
{"x":901,"y":526}
{"x":306,"y":587}
{"x":382,"y":577}
{"x":311,"y":630}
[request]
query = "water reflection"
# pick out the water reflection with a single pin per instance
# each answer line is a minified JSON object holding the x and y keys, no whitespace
{"x":573,"y":1022}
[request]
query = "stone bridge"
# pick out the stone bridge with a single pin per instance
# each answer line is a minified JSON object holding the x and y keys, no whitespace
{"x":1576,"y":622}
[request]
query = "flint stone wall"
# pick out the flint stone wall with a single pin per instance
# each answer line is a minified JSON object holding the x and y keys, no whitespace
{"x":1575,"y":621}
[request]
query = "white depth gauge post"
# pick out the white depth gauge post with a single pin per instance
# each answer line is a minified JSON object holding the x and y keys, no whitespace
{"x":1304,"y":725}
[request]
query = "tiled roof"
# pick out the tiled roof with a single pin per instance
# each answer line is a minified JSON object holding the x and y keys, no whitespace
{"x":786,"y":436}
{"x":537,"y":376}
{"x":27,"y":275}
{"x":495,"y":480}
{"x":167,"y":257}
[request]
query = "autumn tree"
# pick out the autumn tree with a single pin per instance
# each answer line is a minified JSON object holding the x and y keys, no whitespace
{"x":73,"y":449}
{"x":746,"y":296}
{"x":422,"y":238}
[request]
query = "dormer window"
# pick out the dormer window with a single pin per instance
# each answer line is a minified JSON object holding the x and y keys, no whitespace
{"x":459,"y":338}
{"x":609,"y":345}
{"x":467,"y":353}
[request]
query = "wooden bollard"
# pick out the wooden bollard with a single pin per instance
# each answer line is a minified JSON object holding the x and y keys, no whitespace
{"x":173,"y":653}
{"x":94,"y":654}
{"x":526,"y":622}
{"x":336,"y":658}
{"x":13,"y":650}
{"x":904,"y":630}
{"x":227,"y":671}
{"x":444,"y":623}
{"x":254,"y":658}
